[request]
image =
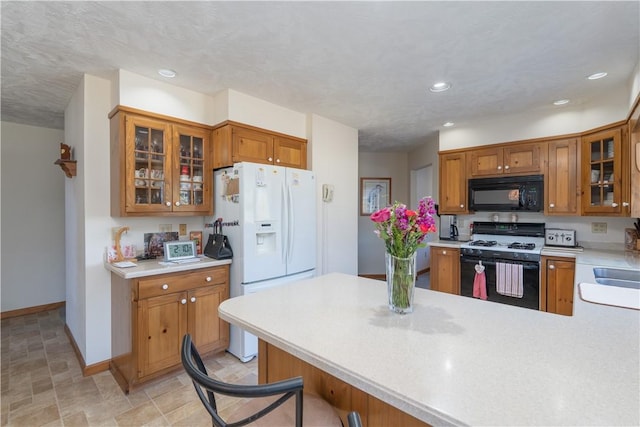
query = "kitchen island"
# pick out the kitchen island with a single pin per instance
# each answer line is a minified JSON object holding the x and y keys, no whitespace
{"x":456,"y":361}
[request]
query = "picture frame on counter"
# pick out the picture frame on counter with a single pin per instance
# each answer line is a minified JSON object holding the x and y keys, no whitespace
{"x":375,"y":193}
{"x":196,"y":236}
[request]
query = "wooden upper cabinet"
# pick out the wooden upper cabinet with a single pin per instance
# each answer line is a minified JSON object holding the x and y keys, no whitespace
{"x":251,"y":146}
{"x":233,"y":143}
{"x":513,"y":159}
{"x":453,"y":184}
{"x":605,"y":180}
{"x":290,"y":152}
{"x":561,"y":178}
{"x":159,"y":167}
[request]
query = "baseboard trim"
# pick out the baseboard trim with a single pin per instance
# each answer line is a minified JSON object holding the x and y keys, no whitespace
{"x":86,"y":370}
{"x":424,"y":271}
{"x":31,"y":310}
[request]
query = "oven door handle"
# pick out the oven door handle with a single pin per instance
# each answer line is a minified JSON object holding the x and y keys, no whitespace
{"x":526,"y":265}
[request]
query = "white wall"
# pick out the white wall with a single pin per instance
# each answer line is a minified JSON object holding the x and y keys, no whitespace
{"x":74,"y":223}
{"x":333,"y":149}
{"x":33,"y":266}
{"x":256,"y":112}
{"x":545,"y":122}
{"x":163,"y":98}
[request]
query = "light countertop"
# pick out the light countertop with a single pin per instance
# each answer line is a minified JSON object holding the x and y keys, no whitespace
{"x":153,"y":267}
{"x":447,"y":243}
{"x":457,"y":360}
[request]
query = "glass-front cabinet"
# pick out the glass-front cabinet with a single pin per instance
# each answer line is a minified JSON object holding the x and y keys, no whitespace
{"x":192,"y":148}
{"x":161,"y":167}
{"x":151,"y":166}
{"x":602,"y":179}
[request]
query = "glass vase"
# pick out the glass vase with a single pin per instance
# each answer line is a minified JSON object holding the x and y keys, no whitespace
{"x":401,"y":282}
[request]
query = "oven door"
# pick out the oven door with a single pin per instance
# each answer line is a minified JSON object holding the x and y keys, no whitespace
{"x":530,"y":282}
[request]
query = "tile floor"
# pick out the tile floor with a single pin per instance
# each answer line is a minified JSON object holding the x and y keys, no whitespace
{"x":422,"y":281}
{"x":42,"y":384}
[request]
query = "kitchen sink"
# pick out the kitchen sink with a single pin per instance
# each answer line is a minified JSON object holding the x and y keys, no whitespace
{"x":617,"y":277}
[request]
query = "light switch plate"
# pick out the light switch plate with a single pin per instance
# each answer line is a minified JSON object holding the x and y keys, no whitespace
{"x":183,"y":229}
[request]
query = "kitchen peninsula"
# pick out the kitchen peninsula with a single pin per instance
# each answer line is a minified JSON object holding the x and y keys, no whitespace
{"x":454,"y":361}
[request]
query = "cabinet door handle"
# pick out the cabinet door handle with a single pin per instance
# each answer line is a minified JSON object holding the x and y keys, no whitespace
{"x":552,"y":267}
{"x":193,"y":299}
{"x":270,"y":159}
{"x":615,"y":205}
{"x":168,"y":204}
{"x":177,"y":203}
{"x":625,"y":204}
{"x":506,"y":167}
{"x":208,"y":279}
{"x":183,"y":301}
{"x":552,"y":205}
{"x":277,"y":160}
{"x":444,"y":252}
{"x":165,"y":286}
{"x":499,"y":168}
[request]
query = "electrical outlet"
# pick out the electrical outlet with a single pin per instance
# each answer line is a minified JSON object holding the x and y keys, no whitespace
{"x":183,"y":229}
{"x":598,"y":227}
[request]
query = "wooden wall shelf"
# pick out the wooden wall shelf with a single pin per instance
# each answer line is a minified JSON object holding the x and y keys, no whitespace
{"x":68,"y":166}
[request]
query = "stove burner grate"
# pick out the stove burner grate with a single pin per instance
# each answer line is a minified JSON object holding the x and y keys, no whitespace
{"x":525,"y":246}
{"x":484,"y":243}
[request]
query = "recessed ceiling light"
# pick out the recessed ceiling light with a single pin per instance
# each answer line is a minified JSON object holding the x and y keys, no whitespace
{"x":597,"y":76}
{"x":448,"y":124}
{"x":561,"y":102}
{"x":440,"y":87}
{"x":165,"y":72}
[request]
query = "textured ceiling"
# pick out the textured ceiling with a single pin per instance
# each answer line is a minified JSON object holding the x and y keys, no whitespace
{"x":365,"y":64}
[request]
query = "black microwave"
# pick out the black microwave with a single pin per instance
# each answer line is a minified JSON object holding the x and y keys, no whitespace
{"x":506,"y":194}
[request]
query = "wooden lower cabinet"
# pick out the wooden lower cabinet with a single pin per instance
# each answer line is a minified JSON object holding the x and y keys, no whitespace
{"x":557,"y":284}
{"x":150,"y":315}
{"x":445,"y":270}
{"x":275,"y":364}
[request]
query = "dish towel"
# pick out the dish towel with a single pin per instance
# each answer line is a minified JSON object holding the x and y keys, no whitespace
{"x":509,"y":279}
{"x":480,"y":283}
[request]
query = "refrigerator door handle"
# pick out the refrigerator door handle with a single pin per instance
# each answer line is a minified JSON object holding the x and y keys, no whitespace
{"x":283,"y":225}
{"x":291,"y":226}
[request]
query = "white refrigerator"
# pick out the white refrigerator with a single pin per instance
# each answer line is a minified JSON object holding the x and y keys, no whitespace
{"x":269,"y":215}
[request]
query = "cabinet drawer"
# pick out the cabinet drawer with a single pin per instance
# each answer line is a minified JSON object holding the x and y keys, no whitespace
{"x":183,"y":281}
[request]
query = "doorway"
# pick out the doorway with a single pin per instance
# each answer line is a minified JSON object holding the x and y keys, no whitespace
{"x":422,"y":186}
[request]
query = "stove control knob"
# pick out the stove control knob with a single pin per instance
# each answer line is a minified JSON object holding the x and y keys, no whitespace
{"x":516,"y":255}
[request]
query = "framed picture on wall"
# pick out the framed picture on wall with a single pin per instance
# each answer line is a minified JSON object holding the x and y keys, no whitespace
{"x":375,"y":193}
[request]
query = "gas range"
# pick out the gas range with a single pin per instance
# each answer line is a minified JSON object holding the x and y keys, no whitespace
{"x":515,"y":241}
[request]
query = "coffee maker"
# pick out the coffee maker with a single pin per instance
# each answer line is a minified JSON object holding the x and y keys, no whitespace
{"x":448,"y":226}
